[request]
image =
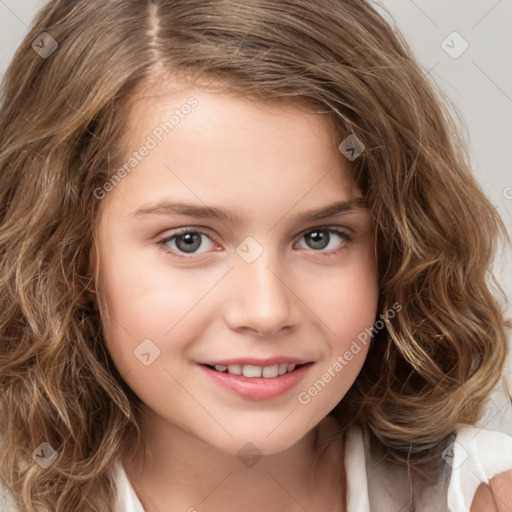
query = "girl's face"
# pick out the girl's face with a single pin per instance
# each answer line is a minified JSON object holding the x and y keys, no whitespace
{"x":213,"y":249}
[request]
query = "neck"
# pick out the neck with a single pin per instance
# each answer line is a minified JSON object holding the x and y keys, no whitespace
{"x":177,"y":471}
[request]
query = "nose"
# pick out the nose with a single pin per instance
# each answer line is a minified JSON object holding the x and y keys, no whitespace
{"x":260,"y":298}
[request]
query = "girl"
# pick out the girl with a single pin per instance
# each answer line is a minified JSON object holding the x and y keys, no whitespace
{"x":245,"y":266}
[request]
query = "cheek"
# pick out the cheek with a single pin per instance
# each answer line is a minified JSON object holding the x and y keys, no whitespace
{"x":146,"y":301}
{"x":348,"y":299}
{"x":142,"y":295}
{"x":348,"y":308}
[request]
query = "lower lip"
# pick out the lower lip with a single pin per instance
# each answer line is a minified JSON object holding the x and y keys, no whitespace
{"x":258,"y":388}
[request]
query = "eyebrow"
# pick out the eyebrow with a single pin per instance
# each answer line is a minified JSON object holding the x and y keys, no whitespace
{"x":224,"y":215}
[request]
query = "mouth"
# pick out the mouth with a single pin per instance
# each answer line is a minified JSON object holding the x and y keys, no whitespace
{"x":255,"y":382}
{"x":252,"y":371}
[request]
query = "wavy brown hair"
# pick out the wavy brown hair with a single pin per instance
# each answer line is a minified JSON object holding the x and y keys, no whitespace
{"x":61,"y":117}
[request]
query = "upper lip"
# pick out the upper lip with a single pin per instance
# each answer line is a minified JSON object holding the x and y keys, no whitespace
{"x":270,"y":361}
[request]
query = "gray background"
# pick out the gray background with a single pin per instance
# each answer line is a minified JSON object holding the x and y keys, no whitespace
{"x":478,"y":81}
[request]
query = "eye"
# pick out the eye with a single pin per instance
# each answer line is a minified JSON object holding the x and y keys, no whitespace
{"x":331,"y":239}
{"x":188,"y":241}
{"x":328,"y":240}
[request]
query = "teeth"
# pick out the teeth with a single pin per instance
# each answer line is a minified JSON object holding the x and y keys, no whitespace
{"x":251,"y":371}
{"x":270,"y":371}
{"x":248,"y":370}
{"x":235,"y":369}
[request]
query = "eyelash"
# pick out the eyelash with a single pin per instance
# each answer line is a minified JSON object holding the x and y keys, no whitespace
{"x":330,"y":229}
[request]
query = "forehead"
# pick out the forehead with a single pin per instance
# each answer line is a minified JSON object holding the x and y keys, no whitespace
{"x":216,"y":146}
{"x":157,"y":98}
{"x":162,"y":97}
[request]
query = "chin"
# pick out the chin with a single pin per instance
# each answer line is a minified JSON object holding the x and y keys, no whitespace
{"x":258,"y":444}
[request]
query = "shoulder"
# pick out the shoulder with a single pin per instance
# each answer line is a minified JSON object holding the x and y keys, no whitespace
{"x":495,"y":496}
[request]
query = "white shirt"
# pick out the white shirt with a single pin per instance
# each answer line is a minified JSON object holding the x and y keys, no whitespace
{"x":478,"y":456}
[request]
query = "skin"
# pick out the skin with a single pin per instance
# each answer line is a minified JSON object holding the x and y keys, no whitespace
{"x":267,"y":163}
{"x":495,"y":497}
